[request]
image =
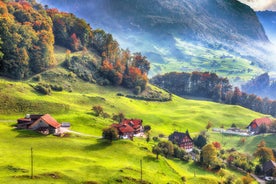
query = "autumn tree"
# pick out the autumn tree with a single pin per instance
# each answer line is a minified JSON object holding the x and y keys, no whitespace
{"x":247,"y":179}
{"x":209,"y":125}
{"x":141,"y":62}
{"x":264,"y":154}
{"x":209,"y":155}
{"x":216,"y":145}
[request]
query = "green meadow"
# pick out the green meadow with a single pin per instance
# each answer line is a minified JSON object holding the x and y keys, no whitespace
{"x":87,"y":158}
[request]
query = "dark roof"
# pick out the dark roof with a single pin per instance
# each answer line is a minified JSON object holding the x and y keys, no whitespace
{"x":269,"y":165}
{"x":179,"y":136}
{"x":260,"y":121}
{"x":21,"y":120}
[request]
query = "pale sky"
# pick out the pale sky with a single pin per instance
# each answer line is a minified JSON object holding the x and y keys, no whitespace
{"x":260,"y":5}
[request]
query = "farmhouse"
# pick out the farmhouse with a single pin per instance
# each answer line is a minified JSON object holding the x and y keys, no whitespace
{"x":44,"y":124}
{"x":269,"y":167}
{"x":255,"y":125}
{"x":128,"y":128}
{"x":183,"y":140}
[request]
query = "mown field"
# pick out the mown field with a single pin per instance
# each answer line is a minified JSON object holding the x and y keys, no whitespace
{"x":89,"y":159}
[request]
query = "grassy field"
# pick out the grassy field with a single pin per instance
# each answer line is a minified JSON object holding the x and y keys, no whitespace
{"x":81,"y":159}
{"x":86,"y":159}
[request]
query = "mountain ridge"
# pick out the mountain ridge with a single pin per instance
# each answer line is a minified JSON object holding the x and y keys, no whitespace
{"x":153,"y":28}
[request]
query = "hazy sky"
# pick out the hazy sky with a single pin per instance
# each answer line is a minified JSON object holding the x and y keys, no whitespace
{"x":259,"y":5}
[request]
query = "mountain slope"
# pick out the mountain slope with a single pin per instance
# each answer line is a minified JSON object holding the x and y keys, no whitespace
{"x":176,"y":34}
{"x":268,"y":20}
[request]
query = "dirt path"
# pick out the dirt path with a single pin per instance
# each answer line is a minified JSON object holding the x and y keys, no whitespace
{"x":83,"y":134}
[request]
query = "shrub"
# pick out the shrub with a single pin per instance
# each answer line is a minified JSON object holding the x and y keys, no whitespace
{"x":37,"y":78}
{"x":137,"y":90}
{"x":43,"y":89}
{"x":56,"y":87}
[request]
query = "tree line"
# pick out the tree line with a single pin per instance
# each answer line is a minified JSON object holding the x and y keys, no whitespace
{"x":209,"y":85}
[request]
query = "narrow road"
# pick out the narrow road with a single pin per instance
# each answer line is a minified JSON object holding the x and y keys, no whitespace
{"x":258,"y":179}
{"x":83,"y":134}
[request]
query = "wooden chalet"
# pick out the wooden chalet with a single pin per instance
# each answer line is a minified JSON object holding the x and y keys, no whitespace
{"x":45,"y":124}
{"x":269,"y":167}
{"x":254,"y":126}
{"x":183,"y":140}
{"x":128,"y":128}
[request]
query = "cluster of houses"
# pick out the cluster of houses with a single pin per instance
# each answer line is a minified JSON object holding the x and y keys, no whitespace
{"x":44,"y":124}
{"x":129,"y":128}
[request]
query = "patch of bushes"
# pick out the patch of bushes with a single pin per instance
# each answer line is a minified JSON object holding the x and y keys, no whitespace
{"x":56,"y":87}
{"x":44,"y":89}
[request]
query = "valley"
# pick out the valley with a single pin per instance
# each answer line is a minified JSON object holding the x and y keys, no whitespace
{"x":55,"y":64}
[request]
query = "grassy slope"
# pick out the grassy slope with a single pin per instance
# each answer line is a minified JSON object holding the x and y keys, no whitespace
{"x":78,"y":159}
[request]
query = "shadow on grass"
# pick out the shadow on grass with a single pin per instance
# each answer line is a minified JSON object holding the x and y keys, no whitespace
{"x":150,"y":158}
{"x":101,"y":144}
{"x":27,"y":133}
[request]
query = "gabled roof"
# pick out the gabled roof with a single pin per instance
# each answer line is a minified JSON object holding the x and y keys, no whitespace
{"x":48,"y":120}
{"x":126,"y":129}
{"x":269,"y":165}
{"x":260,"y":121}
{"x":135,"y":123}
{"x":123,"y":128}
{"x":179,"y":136}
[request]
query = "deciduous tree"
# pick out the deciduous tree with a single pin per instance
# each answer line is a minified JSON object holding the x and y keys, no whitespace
{"x":110,"y":133}
{"x":209,"y":155}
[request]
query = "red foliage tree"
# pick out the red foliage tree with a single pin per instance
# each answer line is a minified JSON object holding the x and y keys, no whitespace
{"x":217,"y":145}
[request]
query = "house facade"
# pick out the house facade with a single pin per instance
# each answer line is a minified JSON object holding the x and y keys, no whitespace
{"x":44,"y":124}
{"x":183,"y":140}
{"x":255,"y":125}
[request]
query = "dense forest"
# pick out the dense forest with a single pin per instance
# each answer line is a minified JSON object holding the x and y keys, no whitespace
{"x":29,"y":31}
{"x":209,"y":85}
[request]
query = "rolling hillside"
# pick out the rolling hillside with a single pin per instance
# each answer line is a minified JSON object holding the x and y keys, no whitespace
{"x":88,"y":159}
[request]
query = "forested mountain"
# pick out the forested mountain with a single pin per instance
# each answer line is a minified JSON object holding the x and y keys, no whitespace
{"x":27,"y":35}
{"x":27,"y":40}
{"x":178,"y":35}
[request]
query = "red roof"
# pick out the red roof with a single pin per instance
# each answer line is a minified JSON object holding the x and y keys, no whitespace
{"x":123,"y":128}
{"x":126,"y":129}
{"x":135,"y":123}
{"x":260,"y":121}
{"x":50,"y":121}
